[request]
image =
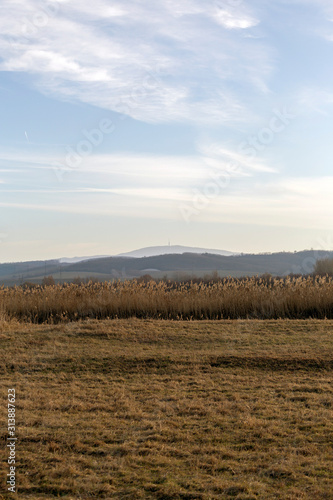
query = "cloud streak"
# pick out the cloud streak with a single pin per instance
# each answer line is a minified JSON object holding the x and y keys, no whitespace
{"x":291,"y":203}
{"x":156,"y":62}
{"x":154,"y":187}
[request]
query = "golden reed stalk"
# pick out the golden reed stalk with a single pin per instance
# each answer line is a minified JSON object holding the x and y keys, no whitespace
{"x":229,"y":298}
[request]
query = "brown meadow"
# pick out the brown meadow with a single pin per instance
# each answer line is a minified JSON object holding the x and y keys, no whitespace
{"x":170,"y":410}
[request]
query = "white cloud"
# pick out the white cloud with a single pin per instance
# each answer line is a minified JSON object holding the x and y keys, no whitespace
{"x":293,"y":202}
{"x":315,"y":99}
{"x":156,"y":187}
{"x":218,"y":154}
{"x":231,"y":21}
{"x":125,"y":171}
{"x":155,"y":61}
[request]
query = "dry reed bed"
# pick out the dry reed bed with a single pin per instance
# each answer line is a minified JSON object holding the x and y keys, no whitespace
{"x":299,"y":298}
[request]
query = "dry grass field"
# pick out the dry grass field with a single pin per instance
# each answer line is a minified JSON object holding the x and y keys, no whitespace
{"x":143,"y":409}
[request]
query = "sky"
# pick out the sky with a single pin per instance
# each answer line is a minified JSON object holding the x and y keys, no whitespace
{"x":130,"y":123}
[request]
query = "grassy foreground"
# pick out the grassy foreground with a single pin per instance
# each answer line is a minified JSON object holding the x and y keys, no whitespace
{"x":143,"y":409}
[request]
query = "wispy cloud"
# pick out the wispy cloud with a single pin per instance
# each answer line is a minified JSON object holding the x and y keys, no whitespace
{"x":110,"y":172}
{"x":228,"y":19}
{"x":318,"y":100}
{"x":302,"y":203}
{"x":154,"y":187}
{"x":220,"y":155}
{"x":154,"y":61}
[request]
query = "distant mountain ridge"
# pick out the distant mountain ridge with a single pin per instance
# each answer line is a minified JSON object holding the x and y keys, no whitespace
{"x":74,"y":260}
{"x":149,"y":252}
{"x":174,"y":266}
{"x":171,"y":250}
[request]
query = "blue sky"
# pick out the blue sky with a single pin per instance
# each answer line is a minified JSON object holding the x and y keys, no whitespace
{"x":126,"y":124}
